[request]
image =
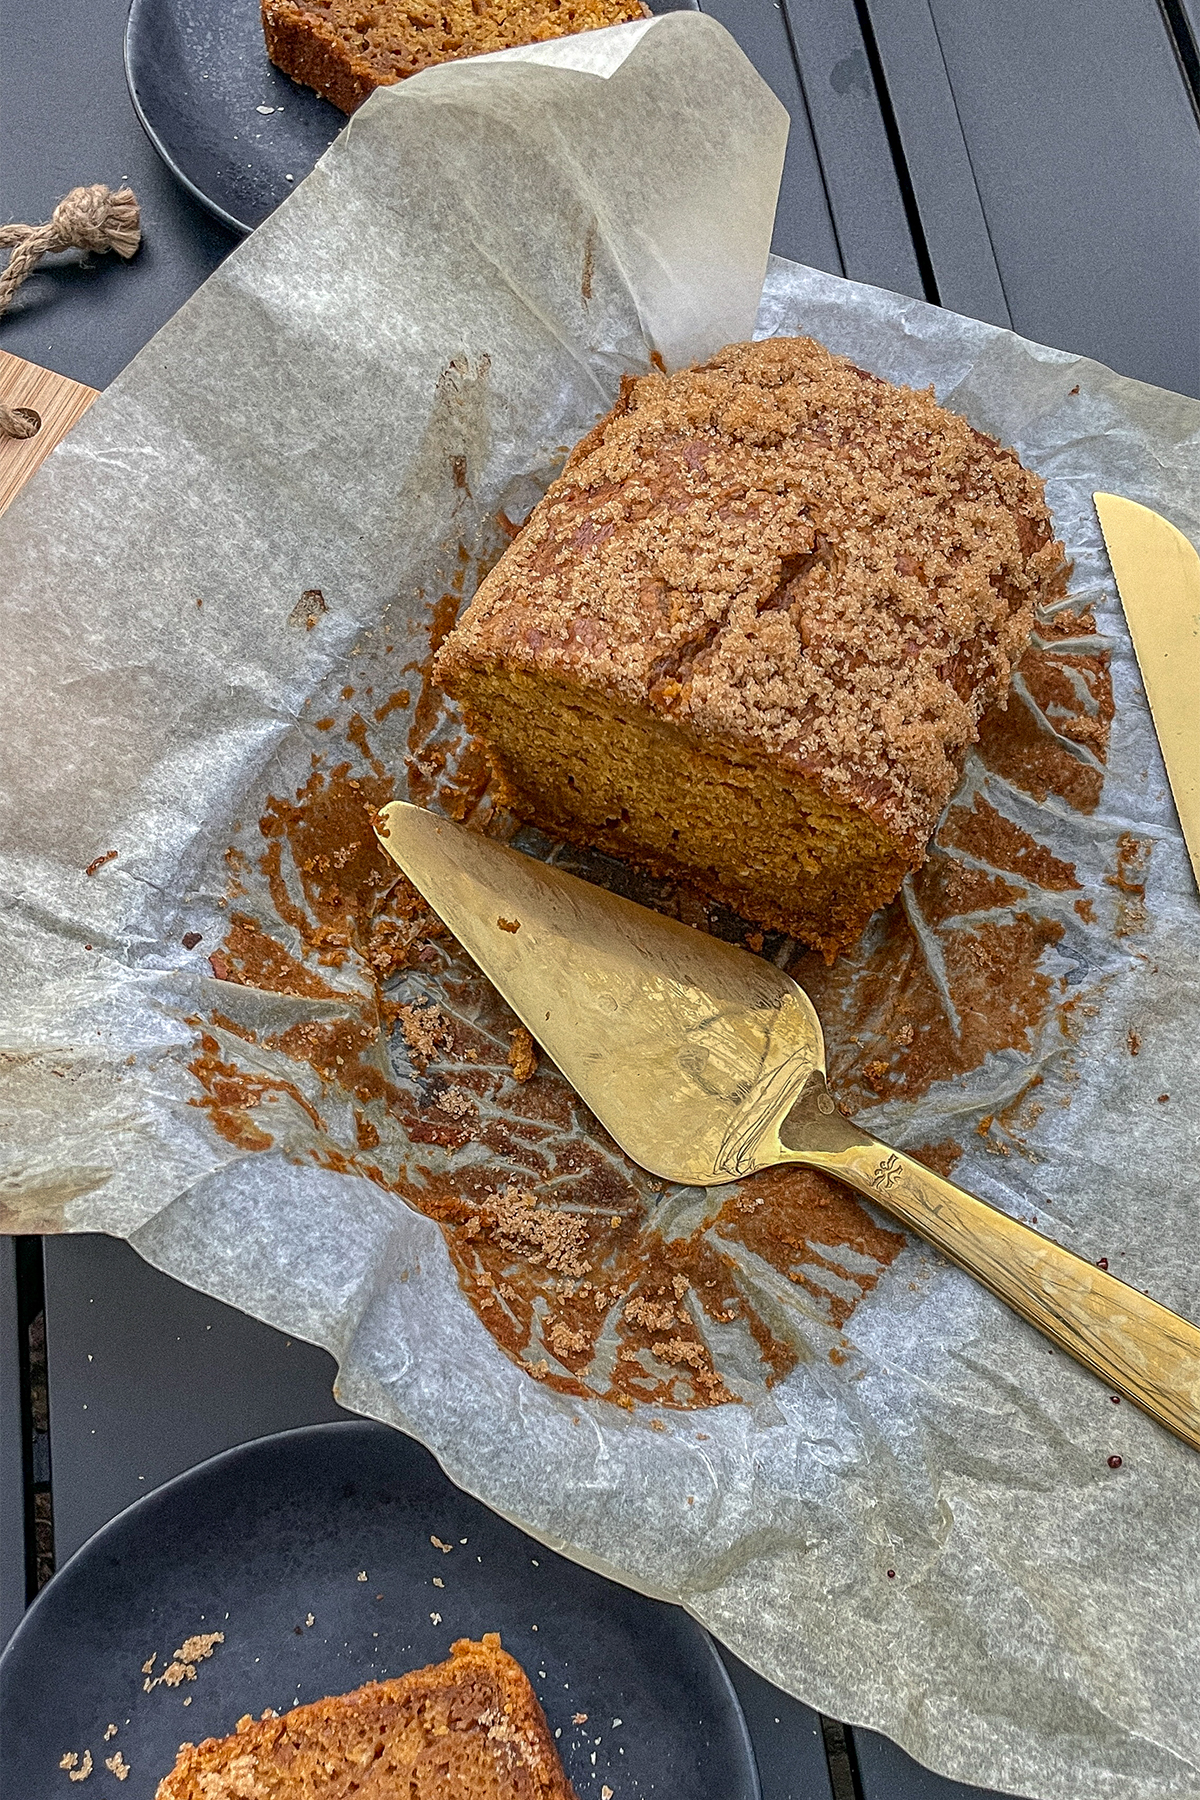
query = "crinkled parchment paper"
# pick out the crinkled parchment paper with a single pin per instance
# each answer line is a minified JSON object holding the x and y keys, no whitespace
{"x":215,"y":589}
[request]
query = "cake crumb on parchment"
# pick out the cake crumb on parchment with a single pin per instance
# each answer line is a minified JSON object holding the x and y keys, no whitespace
{"x":522,"y":1058}
{"x":565,"y":1342}
{"x":425,"y":1029}
{"x":681,"y":1350}
{"x":457,"y":1101}
{"x":542,"y":1234}
{"x":654,"y":1315}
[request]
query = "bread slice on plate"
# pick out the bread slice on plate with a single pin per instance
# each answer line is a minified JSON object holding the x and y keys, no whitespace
{"x":345,"y":50}
{"x":469,"y":1728}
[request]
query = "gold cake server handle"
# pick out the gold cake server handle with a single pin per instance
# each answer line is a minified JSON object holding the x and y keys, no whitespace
{"x":1142,"y":1349}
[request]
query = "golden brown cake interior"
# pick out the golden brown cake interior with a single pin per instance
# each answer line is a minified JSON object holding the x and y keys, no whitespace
{"x":748,"y":635}
{"x":469,"y":1728}
{"x":345,"y":50}
{"x":611,"y":775}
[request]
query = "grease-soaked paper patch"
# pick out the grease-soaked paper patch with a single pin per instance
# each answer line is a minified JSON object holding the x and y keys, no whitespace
{"x":222,"y":597}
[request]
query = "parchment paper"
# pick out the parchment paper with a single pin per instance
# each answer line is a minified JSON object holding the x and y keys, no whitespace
{"x":404,"y":350}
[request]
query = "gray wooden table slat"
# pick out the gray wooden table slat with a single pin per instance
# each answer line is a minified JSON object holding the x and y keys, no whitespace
{"x":937,"y":160}
{"x":148,"y":1378}
{"x":803,"y":225}
{"x":859,"y":170}
{"x":1084,"y":143}
{"x":13,"y":1472}
{"x":1191,"y":14}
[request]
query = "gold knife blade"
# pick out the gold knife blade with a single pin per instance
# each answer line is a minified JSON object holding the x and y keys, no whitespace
{"x":1157,"y":572}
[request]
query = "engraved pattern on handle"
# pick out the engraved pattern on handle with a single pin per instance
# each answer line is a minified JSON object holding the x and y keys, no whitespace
{"x":1142,"y":1349}
{"x":887,"y":1173}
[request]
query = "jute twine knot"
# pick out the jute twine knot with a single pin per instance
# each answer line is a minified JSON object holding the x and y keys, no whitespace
{"x":88,"y":218}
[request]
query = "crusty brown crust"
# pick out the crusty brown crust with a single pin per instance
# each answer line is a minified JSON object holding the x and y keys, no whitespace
{"x":345,"y":50}
{"x":390,"y":1738}
{"x":789,"y":556}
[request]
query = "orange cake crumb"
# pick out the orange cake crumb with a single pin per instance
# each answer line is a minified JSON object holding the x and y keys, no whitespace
{"x":523,"y":1056}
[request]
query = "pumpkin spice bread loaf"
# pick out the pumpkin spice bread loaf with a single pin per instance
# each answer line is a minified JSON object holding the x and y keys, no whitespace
{"x":346,"y":49}
{"x":747,"y":636}
{"x":469,"y":1728}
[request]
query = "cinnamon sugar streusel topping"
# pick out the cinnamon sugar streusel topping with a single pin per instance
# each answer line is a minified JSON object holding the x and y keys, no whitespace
{"x":790,"y":555}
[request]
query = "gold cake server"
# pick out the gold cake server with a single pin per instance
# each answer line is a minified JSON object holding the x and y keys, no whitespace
{"x":706,"y":1063}
{"x":1158,"y":578}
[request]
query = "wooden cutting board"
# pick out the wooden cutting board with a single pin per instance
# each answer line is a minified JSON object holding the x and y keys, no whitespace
{"x":59,"y":404}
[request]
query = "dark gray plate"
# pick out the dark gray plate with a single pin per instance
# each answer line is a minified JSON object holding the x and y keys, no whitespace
{"x":261,"y":1538}
{"x":198,"y":76}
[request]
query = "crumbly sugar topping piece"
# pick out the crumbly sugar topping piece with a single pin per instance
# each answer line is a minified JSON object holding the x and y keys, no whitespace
{"x":182,"y":1666}
{"x":425,"y":1030}
{"x":566,"y":1342}
{"x":458,"y":1102}
{"x":681,"y":1350}
{"x":542,"y":1234}
{"x":787,"y":554}
{"x":523,"y":1056}
{"x":652,"y":1315}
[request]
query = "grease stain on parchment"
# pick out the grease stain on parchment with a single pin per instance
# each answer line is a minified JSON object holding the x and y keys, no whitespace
{"x":394,"y":1061}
